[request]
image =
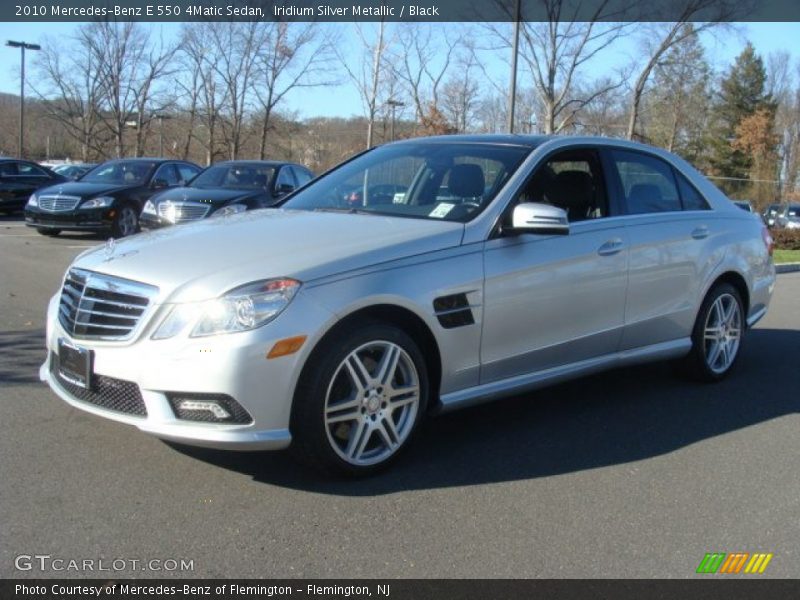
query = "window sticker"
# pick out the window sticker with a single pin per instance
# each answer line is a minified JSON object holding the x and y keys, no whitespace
{"x":441,"y":210}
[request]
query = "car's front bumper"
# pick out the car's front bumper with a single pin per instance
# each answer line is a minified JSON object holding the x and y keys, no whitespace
{"x":99,"y":219}
{"x":233,"y":365}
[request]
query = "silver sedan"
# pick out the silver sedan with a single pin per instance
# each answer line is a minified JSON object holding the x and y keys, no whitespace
{"x":421,"y":276}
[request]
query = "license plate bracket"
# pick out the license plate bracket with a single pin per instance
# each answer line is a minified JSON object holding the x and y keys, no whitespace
{"x":75,"y":364}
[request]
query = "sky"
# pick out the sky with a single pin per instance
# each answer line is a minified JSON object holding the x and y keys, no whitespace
{"x":343,"y":100}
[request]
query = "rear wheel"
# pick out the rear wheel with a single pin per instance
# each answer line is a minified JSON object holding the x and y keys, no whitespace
{"x":126,"y":222}
{"x":48,"y":232}
{"x":717,"y":334}
{"x":360,"y":400}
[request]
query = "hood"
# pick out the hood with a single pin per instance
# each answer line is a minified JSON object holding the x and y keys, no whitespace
{"x":203,"y":259}
{"x":84,"y":190}
{"x":214,"y":196}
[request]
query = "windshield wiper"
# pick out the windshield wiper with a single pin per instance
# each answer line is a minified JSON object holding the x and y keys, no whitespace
{"x":349,"y":211}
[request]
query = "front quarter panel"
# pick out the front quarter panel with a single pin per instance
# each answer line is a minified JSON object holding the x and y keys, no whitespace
{"x":413,"y":285}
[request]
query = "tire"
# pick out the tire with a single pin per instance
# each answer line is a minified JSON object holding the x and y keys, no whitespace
{"x":126,"y":222}
{"x":48,"y":232}
{"x":717,"y":335}
{"x":357,"y":428}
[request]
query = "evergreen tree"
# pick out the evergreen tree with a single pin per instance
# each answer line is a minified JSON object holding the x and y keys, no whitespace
{"x":741,"y":94}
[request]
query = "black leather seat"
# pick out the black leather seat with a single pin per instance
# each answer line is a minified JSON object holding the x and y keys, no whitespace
{"x":573,"y":191}
{"x":466,"y":181}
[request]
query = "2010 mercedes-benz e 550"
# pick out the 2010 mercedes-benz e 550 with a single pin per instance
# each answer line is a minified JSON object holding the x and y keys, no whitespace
{"x":473,"y":267}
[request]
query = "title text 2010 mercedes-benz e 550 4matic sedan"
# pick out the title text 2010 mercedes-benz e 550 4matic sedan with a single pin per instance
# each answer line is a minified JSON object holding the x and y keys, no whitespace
{"x":472,"y":268}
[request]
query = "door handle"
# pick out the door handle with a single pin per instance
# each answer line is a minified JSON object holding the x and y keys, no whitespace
{"x":611,"y":247}
{"x":700,"y":232}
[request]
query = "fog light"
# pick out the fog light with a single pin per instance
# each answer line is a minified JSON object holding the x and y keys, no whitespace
{"x":206,"y":405}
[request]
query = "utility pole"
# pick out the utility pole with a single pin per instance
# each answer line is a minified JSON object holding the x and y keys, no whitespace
{"x":394,"y":104}
{"x":512,"y":96}
{"x":161,"y":118}
{"x":22,"y":47}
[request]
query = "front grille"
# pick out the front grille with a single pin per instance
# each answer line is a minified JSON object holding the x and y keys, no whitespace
{"x":58,"y":203}
{"x":179,"y":212}
{"x":238,"y":414}
{"x":106,"y":392}
{"x":95,"y":306}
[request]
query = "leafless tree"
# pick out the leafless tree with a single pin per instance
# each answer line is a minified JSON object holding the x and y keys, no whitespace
{"x":69,"y":85}
{"x":130,"y":65}
{"x":421,"y":60}
{"x":368,"y":71}
{"x":556,"y":53}
{"x":659,"y":38}
{"x":209,"y":94}
{"x":461,"y":91}
{"x":235,"y":47}
{"x":291,"y":56}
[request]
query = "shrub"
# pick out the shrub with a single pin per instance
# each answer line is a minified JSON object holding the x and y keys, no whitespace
{"x":786,"y":239}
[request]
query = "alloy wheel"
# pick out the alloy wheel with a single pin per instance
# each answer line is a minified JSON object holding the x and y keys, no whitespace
{"x":371,"y":403}
{"x":722,"y":333}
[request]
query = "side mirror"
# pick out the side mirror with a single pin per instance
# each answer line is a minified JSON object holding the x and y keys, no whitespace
{"x":283,"y":189}
{"x":544,"y":219}
{"x":159,"y":183}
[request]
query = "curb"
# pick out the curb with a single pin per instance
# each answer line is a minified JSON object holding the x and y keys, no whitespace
{"x":787,"y":268}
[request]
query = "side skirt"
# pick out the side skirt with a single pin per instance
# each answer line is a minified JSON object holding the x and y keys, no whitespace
{"x":524,"y":383}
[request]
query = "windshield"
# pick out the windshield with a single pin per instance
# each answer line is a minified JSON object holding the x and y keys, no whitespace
{"x":237,"y":177}
{"x":123,"y":172}
{"x":450,"y":181}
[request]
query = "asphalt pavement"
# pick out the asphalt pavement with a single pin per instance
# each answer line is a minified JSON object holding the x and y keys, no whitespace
{"x":631,"y":473}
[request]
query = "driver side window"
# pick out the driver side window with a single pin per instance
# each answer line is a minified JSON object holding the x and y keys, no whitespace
{"x":571,"y":180}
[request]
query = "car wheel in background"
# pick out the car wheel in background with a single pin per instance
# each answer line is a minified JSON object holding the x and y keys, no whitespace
{"x":717,"y":334}
{"x":126,"y":222}
{"x":359,"y":400}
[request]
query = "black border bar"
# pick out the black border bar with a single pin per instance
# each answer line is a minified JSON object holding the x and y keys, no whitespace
{"x":711,"y":588}
{"x":398,"y":10}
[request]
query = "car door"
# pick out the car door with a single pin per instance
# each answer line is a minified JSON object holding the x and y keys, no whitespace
{"x":556,"y":300}
{"x":20,"y":180}
{"x":671,"y":233}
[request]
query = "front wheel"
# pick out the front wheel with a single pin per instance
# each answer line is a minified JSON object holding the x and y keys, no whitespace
{"x":717,"y":334}
{"x":126,"y":222}
{"x":360,"y":400}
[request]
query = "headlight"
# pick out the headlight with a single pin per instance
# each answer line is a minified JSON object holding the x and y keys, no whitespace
{"x":244,"y":308}
{"x":149,"y":208}
{"x":231,"y":209}
{"x":99,"y":202}
{"x":33,"y":200}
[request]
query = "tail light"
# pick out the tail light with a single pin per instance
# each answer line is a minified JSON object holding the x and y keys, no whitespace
{"x":768,"y":241}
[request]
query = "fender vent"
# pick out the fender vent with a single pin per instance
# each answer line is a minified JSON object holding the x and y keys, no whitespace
{"x":453,"y":311}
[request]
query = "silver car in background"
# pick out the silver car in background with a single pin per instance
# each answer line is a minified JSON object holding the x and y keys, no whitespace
{"x":470,"y":268}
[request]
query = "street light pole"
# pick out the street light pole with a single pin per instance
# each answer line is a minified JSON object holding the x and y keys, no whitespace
{"x":394,"y":104}
{"x":22,"y":46}
{"x":512,"y":96}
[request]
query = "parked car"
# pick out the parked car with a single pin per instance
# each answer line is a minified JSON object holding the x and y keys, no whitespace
{"x":19,"y":179}
{"x":772,"y":212}
{"x":745,"y":205}
{"x":74,"y":170}
{"x":223,"y":189}
{"x":790,"y":217}
{"x":337,"y":329}
{"x":109,"y":198}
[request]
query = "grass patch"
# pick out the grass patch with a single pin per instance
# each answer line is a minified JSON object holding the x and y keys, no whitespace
{"x":786,"y":256}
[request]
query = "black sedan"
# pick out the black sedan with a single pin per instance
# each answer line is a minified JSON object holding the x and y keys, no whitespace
{"x":225,"y":188}
{"x":109,"y":198}
{"x":19,"y":179}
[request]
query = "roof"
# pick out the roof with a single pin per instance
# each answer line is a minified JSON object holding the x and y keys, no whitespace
{"x":511,"y":139}
{"x":260,"y":163}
